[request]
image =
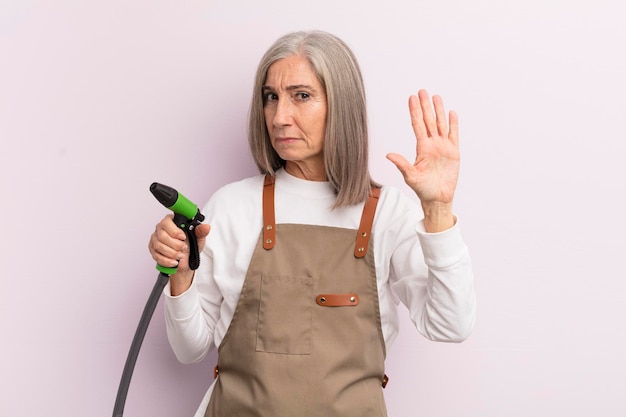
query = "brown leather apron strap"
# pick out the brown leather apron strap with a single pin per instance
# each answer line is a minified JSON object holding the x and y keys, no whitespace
{"x":337,"y":300}
{"x":367,"y":220}
{"x":269,"y":220}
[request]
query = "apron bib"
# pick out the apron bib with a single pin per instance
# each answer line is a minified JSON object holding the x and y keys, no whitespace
{"x":305,"y":339}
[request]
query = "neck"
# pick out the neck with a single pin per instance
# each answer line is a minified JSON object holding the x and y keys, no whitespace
{"x":306,"y":171}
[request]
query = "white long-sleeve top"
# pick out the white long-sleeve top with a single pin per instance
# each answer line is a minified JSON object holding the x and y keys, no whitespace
{"x":430,"y":273}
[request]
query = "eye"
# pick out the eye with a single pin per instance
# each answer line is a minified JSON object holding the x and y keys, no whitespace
{"x":270,"y":97}
{"x":303,"y":96}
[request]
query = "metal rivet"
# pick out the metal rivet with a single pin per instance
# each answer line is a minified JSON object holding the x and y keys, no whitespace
{"x":268,"y":241}
{"x":364,"y":234}
{"x":352,"y":299}
{"x":361,"y":249}
{"x":269,"y":227}
{"x":322,"y":300}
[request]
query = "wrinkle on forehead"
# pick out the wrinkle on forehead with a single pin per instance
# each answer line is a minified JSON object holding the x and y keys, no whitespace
{"x":294,"y":72}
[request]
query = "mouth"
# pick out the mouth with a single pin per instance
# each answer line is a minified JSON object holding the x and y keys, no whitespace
{"x":285,"y":140}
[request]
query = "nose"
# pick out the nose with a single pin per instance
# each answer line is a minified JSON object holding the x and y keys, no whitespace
{"x":283,"y":113}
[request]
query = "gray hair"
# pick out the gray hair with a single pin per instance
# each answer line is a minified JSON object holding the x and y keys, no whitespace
{"x":346,"y":135}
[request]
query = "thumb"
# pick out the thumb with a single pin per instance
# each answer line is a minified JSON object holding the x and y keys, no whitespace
{"x":400,"y":162}
{"x":202,"y":230}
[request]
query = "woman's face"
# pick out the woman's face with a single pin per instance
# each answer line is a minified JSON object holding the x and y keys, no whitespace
{"x":295,"y":115}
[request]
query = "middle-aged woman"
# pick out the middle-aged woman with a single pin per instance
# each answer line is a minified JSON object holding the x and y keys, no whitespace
{"x":305,"y":264}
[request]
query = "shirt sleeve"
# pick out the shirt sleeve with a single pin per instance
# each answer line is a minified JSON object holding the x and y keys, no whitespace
{"x":432,"y":275}
{"x":190,"y":319}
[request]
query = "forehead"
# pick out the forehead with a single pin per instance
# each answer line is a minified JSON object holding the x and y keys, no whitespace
{"x":293,"y":70}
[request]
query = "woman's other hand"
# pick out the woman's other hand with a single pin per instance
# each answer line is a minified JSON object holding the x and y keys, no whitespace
{"x":169,"y":247}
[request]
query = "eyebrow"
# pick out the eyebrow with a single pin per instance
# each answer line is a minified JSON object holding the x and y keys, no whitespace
{"x":292,"y":87}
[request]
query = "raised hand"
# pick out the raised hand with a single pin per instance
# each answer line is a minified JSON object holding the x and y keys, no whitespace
{"x":434,"y":174}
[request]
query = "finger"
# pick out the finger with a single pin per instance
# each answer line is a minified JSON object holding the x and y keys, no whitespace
{"x":417,"y":118}
{"x":442,"y":125}
{"x":427,"y":110}
{"x":166,"y":249}
{"x":454,"y":128}
{"x":165,"y":261}
{"x":163,"y":239}
{"x":202,"y":231}
{"x":400,"y":162}
{"x":168,"y":225}
{"x":170,"y":235}
{"x":163,"y":254}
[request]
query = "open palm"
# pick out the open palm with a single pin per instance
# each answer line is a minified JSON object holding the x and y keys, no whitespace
{"x":434,"y":174}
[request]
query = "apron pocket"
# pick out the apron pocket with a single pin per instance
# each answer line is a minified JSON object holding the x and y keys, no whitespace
{"x":285,"y":315}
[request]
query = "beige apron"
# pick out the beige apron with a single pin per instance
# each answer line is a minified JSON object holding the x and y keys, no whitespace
{"x":305,"y":339}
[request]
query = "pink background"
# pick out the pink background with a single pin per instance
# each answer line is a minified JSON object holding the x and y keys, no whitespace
{"x":98,"y":99}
